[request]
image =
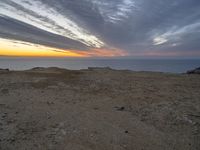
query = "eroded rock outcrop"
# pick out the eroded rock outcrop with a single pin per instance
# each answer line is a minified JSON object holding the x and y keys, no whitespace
{"x":4,"y":70}
{"x":194,"y":71}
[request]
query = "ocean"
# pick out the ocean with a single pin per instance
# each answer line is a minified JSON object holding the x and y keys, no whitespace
{"x":158,"y":65}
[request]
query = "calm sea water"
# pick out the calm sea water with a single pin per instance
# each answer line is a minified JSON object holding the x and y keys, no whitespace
{"x":160,"y":65}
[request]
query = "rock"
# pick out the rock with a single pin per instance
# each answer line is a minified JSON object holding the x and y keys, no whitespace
{"x":48,"y":70}
{"x":99,"y":68}
{"x":126,"y":131}
{"x":50,"y":103}
{"x":4,"y":70}
{"x":120,"y":108}
{"x":194,"y":71}
{"x":37,"y":69}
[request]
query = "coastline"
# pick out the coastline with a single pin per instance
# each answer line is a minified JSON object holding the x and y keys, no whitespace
{"x":160,"y":65}
{"x":98,"y":108}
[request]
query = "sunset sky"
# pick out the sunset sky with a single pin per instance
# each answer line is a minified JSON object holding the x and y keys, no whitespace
{"x":100,"y":28}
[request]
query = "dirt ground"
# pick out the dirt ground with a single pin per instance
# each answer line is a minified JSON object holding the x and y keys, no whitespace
{"x":98,"y":109}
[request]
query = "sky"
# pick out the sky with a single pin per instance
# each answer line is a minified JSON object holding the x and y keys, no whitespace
{"x":100,"y":28}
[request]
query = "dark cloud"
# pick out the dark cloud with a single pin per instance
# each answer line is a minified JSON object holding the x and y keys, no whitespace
{"x":14,"y":29}
{"x":134,"y":26}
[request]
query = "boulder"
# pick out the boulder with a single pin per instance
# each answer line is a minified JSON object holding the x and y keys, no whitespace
{"x":4,"y":70}
{"x":194,"y":71}
{"x":99,"y":68}
{"x":47,"y":70}
{"x":37,"y":69}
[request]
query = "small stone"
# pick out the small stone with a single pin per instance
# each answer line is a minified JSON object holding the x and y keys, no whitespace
{"x":126,"y":131}
{"x":96,"y":108}
{"x":120,"y":108}
{"x":50,"y":103}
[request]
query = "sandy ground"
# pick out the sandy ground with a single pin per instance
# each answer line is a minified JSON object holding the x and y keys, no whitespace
{"x":98,"y":109}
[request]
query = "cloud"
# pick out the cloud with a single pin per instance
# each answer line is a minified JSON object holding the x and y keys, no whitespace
{"x":14,"y":29}
{"x":176,"y":34}
{"x":42,"y":16}
{"x":134,"y":27}
{"x":159,"y":40}
{"x":115,"y":11}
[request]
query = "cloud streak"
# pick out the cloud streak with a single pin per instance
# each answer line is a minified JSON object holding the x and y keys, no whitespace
{"x":46,"y":18}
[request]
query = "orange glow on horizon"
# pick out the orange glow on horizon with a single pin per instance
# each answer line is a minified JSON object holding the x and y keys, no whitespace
{"x":103,"y":53}
{"x":19,"y":48}
{"x":37,"y":53}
